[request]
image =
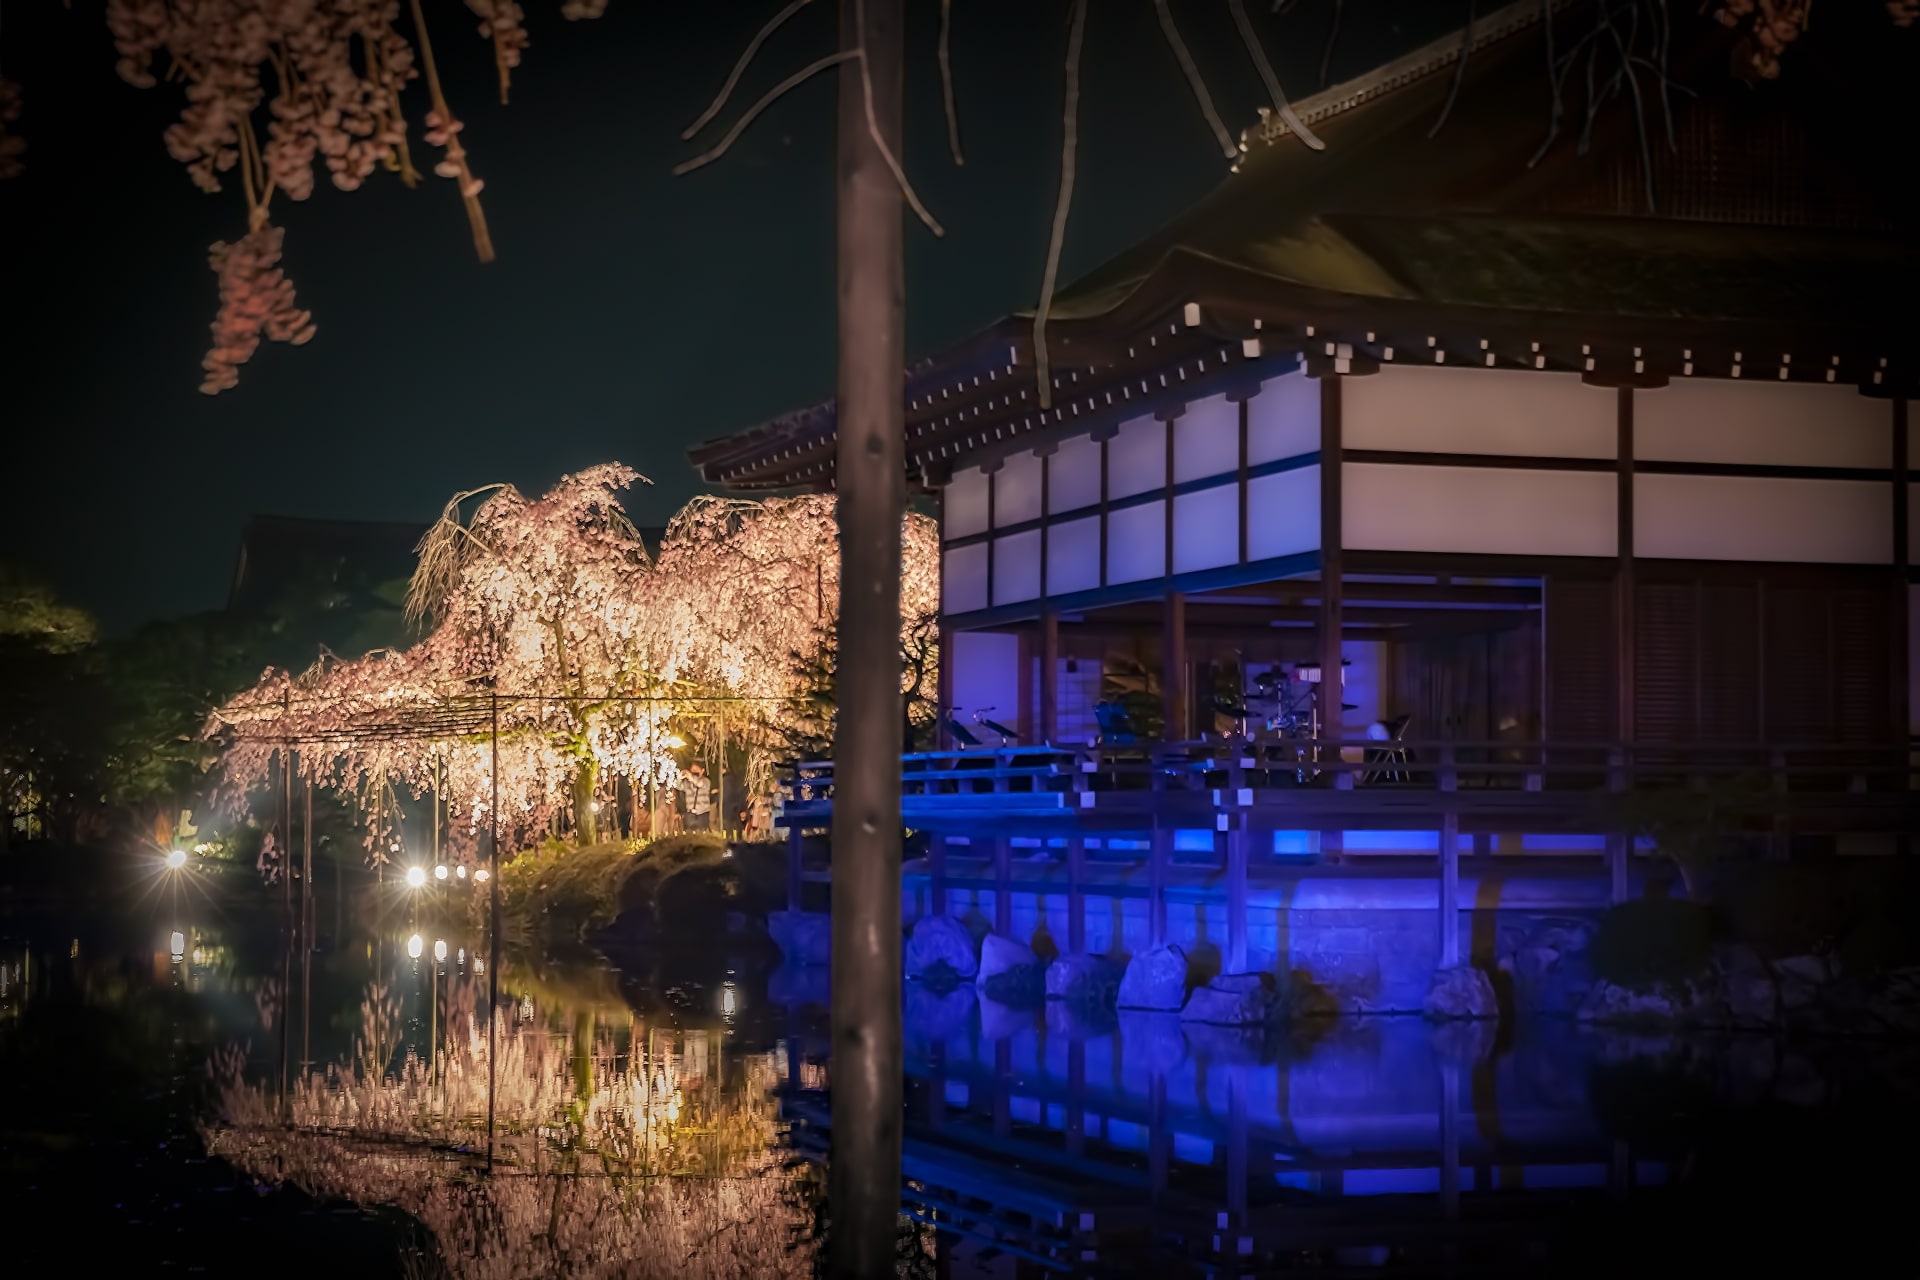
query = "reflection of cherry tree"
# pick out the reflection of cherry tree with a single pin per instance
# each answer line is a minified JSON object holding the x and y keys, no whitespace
{"x":607,"y":1161}
{"x":599,"y":655}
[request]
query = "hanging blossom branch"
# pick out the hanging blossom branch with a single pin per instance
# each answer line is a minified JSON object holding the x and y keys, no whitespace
{"x":946,"y":81}
{"x":1194,"y":80}
{"x":1249,"y":38}
{"x":1069,"y":146}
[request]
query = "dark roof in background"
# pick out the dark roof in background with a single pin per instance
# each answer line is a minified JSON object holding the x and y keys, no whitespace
{"x":277,"y":551}
{"x":1775,"y":213}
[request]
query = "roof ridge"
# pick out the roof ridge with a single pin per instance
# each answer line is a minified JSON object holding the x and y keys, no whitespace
{"x":1434,"y":56}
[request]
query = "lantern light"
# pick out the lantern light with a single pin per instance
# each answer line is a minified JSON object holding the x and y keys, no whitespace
{"x":416,"y":876}
{"x":440,"y":950}
{"x":176,"y":859}
{"x":440,"y":872}
{"x":415,"y":945}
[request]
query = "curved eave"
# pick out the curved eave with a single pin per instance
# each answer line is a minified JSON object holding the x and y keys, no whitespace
{"x":1196,"y":326}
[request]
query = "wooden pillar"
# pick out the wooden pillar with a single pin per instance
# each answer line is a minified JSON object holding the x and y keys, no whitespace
{"x":1003,"y":886}
{"x":1624,"y":571}
{"x":1237,"y":843}
{"x":1619,"y":842}
{"x":795,"y":883}
{"x":1158,"y":857}
{"x":943,"y":685}
{"x":937,"y":874}
{"x":1173,"y":668}
{"x":1332,"y":558}
{"x":1076,"y":1097}
{"x":1450,"y":1141}
{"x":1449,"y":866}
{"x":1902,"y":672}
{"x":1076,"y":894}
{"x":1049,"y":718}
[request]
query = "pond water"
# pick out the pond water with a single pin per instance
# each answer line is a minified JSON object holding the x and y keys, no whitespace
{"x":185,"y":1093}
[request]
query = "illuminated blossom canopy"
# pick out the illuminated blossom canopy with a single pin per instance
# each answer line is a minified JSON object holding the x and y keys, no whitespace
{"x":598,"y":659}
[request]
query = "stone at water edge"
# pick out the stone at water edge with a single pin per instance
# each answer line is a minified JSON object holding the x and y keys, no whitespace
{"x":1234,"y":1000}
{"x":1010,"y":972}
{"x":1661,"y":1005}
{"x":804,"y":937}
{"x":940,"y":940}
{"x":1155,"y":979}
{"x":1154,"y":1041}
{"x":1462,"y":991}
{"x":1083,"y":978}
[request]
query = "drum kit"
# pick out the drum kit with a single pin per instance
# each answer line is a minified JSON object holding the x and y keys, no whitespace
{"x":1286,"y":705}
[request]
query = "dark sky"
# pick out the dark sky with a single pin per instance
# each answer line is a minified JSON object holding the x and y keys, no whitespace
{"x":630,"y":313}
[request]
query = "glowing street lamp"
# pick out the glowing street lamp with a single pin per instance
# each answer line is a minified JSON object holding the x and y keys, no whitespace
{"x":415,"y":945}
{"x":461,"y":871}
{"x":440,"y":872}
{"x":483,"y":875}
{"x":176,"y":859}
{"x":440,"y":951}
{"x":416,"y":876}
{"x":177,"y":944}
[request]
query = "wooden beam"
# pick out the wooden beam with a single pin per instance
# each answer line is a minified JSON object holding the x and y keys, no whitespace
{"x":1624,"y":577}
{"x":1902,"y":569}
{"x":1049,"y":716}
{"x":1331,"y":560}
{"x":1173,"y":668}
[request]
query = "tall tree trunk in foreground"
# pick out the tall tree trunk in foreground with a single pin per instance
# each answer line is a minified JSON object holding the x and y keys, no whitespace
{"x":864,"y":1172}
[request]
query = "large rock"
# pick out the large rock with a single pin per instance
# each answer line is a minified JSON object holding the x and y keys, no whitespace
{"x":1234,"y":1000}
{"x":1155,"y":979}
{"x":1153,"y":1042}
{"x":934,"y":1016}
{"x":1664,"y":1004}
{"x":1000,"y":1021}
{"x":1083,"y":979}
{"x":1464,"y":1042}
{"x":1749,"y":988}
{"x":940,"y":947}
{"x":1462,"y":991}
{"x":1801,"y":980}
{"x":1079,"y":1020}
{"x":1894,"y":1002}
{"x":799,"y":986}
{"x":1010,"y":972}
{"x":804,"y":937}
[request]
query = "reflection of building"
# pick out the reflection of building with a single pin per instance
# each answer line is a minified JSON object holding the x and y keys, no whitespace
{"x":1570,"y":492}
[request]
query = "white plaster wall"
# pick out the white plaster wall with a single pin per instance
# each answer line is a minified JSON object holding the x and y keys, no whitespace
{"x":1436,"y":409}
{"x":1206,"y":529}
{"x":1016,"y":491}
{"x":1283,"y":513}
{"x":1206,"y":439}
{"x":1137,"y":458}
{"x":963,"y":579}
{"x":1759,"y":421}
{"x":1073,"y":556}
{"x":1283,"y":421}
{"x":1137,"y":542}
{"x":963,"y":504}
{"x":1762,"y":518}
{"x":1073,"y":476}
{"x":1391,"y":507}
{"x":986,"y":673}
{"x":1016,"y":567}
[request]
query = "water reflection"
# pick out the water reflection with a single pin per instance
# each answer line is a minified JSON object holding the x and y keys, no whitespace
{"x":614,"y":1145}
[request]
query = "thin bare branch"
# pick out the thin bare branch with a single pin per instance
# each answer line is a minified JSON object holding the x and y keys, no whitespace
{"x":1333,"y":37}
{"x":1199,"y":86}
{"x":740,"y":68}
{"x":1459,"y":69}
{"x":1259,"y":56}
{"x":879,"y":142}
{"x":1069,"y":145}
{"x":768,"y":99}
{"x":946,"y":81}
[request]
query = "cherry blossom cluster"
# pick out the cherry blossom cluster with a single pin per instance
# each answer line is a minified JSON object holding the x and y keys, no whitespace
{"x":256,"y":301}
{"x":601,"y":655}
{"x":1771,"y":26}
{"x":501,"y":21}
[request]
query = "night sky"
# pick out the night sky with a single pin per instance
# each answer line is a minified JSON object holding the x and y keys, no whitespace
{"x":630,"y":313}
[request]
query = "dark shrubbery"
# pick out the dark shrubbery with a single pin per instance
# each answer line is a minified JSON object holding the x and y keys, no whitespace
{"x":1653,"y":940}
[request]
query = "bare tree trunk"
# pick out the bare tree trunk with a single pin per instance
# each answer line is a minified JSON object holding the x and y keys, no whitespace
{"x":586,"y":780}
{"x":864,"y":1172}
